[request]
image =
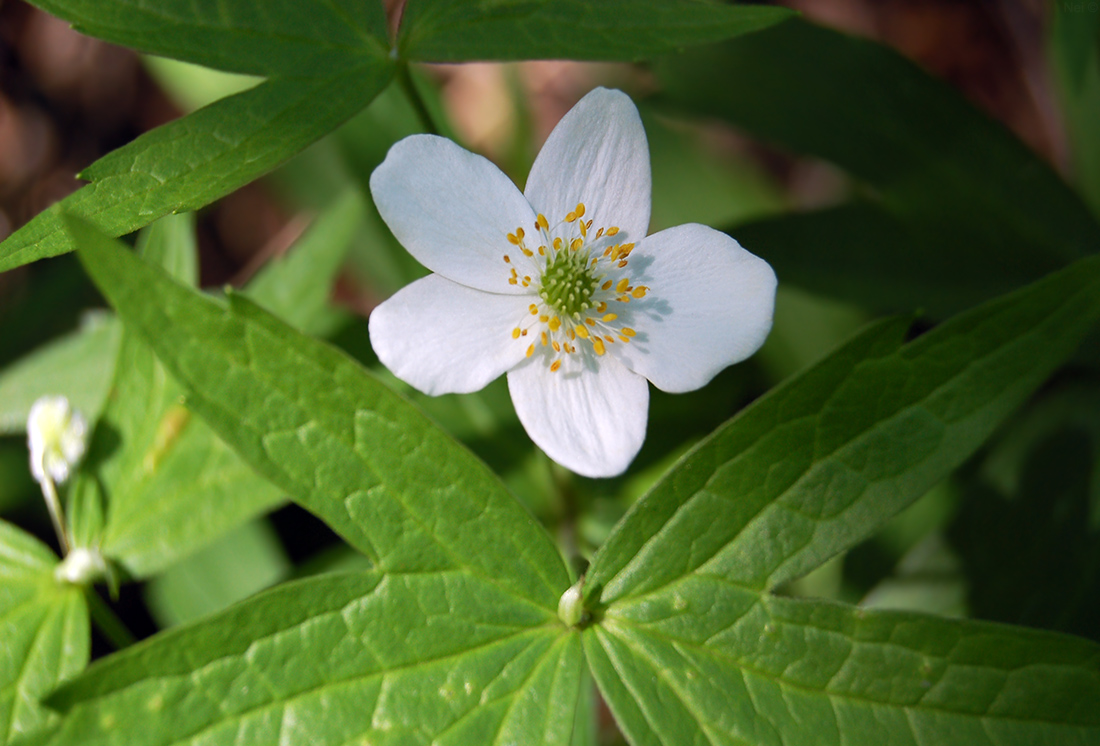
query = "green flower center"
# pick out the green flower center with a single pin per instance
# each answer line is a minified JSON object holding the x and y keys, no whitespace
{"x":568,"y":283}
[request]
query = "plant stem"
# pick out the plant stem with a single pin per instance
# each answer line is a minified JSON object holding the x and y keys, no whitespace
{"x":107,"y":621}
{"x":53,"y":503}
{"x":404,"y":76}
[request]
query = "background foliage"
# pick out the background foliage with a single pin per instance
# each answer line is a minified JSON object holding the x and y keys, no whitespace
{"x":883,"y":529}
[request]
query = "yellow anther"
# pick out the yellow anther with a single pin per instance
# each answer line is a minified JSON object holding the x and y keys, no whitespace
{"x":577,"y":243}
{"x":609,"y":338}
{"x":583,"y":227}
{"x":607,"y":251}
{"x":606,"y":285}
{"x":624,"y":338}
{"x":570,"y":217}
{"x":622,"y":285}
{"x":590,"y":322}
{"x":639,"y":292}
{"x":625,"y":249}
{"x":612,"y":230}
{"x":580,"y":209}
{"x":555,"y":365}
{"x":582,"y":332}
{"x":594,"y":260}
{"x":513,"y":239}
{"x":601,"y":308}
{"x":530,"y":351}
{"x":623,"y":263}
{"x":544,"y":318}
{"x":556,"y":346}
{"x":588,"y":225}
{"x":557,"y":244}
{"x":597,"y":345}
{"x":519,"y":233}
{"x":572,"y":335}
{"x":525,"y":332}
{"x":545,"y":340}
{"x":507,"y":258}
{"x":599,"y":233}
{"x":628,"y":331}
{"x":513,"y":281}
{"x":555,"y":324}
{"x":533,"y":309}
{"x":516,"y":332}
{"x":527,"y":278}
{"x":610,"y":317}
{"x":527,"y":252}
{"x":542,"y":251}
{"x":623,"y":299}
{"x":542,"y":222}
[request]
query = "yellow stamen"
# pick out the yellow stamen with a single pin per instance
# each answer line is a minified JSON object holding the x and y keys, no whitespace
{"x":582,"y":332}
{"x":597,"y":345}
{"x":516,"y":332}
{"x":507,"y":258}
{"x":580,"y":209}
{"x":544,"y":318}
{"x":639,"y":292}
{"x":624,"y":338}
{"x":530,"y":351}
{"x":555,"y":365}
{"x":513,"y":239}
{"x":601,"y":308}
{"x":557,"y":244}
{"x":542,"y":251}
{"x":599,"y":233}
{"x":577,"y":243}
{"x":610,"y":317}
{"x":571,"y":217}
{"x":622,"y":285}
{"x":590,"y":322}
{"x":519,"y":233}
{"x":545,"y":341}
{"x":612,"y":230}
{"x":628,"y":331}
{"x":533,"y":309}
{"x":583,"y":227}
{"x":555,"y":324}
{"x":527,"y":252}
{"x":556,"y":346}
{"x":542,"y":222}
{"x":606,"y":285}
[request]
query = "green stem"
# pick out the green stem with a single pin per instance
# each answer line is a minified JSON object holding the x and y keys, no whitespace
{"x":108,"y":622}
{"x":404,"y":76}
{"x":53,"y":503}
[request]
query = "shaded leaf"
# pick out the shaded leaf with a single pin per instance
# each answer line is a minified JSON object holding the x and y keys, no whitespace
{"x":461,"y":30}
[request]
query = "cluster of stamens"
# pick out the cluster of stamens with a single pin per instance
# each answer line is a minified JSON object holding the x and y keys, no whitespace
{"x":574,"y":282}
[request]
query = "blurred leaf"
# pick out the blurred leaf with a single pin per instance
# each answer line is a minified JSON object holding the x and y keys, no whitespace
{"x":928,"y":579}
{"x":44,"y":629}
{"x":191,"y":86}
{"x":349,"y":449}
{"x":442,"y":656}
{"x":77,"y":365}
{"x":693,"y":184}
{"x":821,"y":461}
{"x":805,"y":328}
{"x":703,"y":660}
{"x":464,"y":30}
{"x":1031,"y":556}
{"x":297,"y":286}
{"x":296,"y":38}
{"x":169,"y":484}
{"x":244,"y":561}
{"x":934,"y":165}
{"x":1074,"y":49}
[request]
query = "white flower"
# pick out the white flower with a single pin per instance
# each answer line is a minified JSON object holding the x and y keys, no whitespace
{"x":559,"y":287}
{"x":56,"y":435}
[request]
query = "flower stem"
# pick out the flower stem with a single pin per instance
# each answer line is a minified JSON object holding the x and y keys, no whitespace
{"x":53,"y":504}
{"x":107,"y":621}
{"x":404,"y":76}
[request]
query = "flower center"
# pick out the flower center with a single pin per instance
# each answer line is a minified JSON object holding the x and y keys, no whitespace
{"x":568,"y":283}
{"x":578,"y":285}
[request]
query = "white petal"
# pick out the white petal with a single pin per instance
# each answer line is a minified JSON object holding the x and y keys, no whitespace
{"x":444,"y":338}
{"x":597,"y":155}
{"x":591,"y":422}
{"x":709,"y":305}
{"x":452,"y":210}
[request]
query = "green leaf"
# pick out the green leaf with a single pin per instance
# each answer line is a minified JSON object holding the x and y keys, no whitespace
{"x":930,"y":160}
{"x":44,"y":628}
{"x":193,"y":161}
{"x":862,"y":253}
{"x":149,"y":450}
{"x":258,"y":37}
{"x":443,"y":656}
{"x":819,"y":462}
{"x":706,"y":661}
{"x":77,"y":365}
{"x":338,"y":441}
{"x":461,"y":30}
{"x":297,"y":286}
{"x":1074,"y":50}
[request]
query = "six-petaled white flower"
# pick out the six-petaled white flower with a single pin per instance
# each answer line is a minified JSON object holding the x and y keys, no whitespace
{"x":559,"y":287}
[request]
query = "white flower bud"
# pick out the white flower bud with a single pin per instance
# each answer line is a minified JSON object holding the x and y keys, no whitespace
{"x":81,"y":566}
{"x":56,"y":436}
{"x":571,"y":606}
